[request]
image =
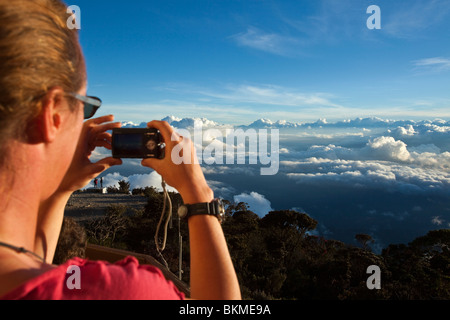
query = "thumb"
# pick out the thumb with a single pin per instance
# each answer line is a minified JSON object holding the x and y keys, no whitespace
{"x":109,"y":162}
{"x":154,"y":164}
{"x":104,"y":164}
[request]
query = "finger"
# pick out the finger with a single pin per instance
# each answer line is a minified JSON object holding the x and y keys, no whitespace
{"x":106,"y":127}
{"x":110,"y":162}
{"x":101,"y":140}
{"x":102,"y":165}
{"x":101,"y":119}
{"x":103,"y":143}
{"x":176,"y":137}
{"x":164,"y":128}
{"x":104,"y":136}
{"x":154,"y":164}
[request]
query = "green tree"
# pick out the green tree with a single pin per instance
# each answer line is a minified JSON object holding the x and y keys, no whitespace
{"x":420,"y":270}
{"x":286,"y":219}
{"x":364,"y":240}
{"x":104,"y":230}
{"x":124,"y":187}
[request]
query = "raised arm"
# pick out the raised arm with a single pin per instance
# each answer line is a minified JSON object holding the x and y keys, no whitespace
{"x":81,"y":171}
{"x":212,"y":272}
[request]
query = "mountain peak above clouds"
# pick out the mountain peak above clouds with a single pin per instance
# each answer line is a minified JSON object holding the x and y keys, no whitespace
{"x":187,"y":123}
{"x":261,"y":123}
{"x":264,"y":123}
{"x":171,"y":119}
{"x":180,"y":123}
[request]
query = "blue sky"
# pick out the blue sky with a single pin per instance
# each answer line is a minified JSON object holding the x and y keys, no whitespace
{"x":238,"y":61}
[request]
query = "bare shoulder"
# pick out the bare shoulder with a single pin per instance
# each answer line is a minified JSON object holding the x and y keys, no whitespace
{"x":17,"y":270}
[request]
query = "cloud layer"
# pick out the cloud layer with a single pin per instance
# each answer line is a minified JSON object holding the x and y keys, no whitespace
{"x":386,"y":178}
{"x":257,"y":202}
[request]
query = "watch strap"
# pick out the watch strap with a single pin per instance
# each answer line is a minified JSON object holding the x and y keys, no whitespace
{"x":211,"y":208}
{"x":214,"y":208}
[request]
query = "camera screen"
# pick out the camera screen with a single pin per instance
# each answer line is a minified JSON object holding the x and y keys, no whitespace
{"x":128,"y":143}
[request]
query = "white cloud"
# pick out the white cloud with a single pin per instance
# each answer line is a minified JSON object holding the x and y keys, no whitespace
{"x":221,"y":189}
{"x":387,"y":148}
{"x":136,"y":181}
{"x":437,"y":220}
{"x":405,"y":131}
{"x":427,"y":146}
{"x":380,"y":148}
{"x":112,"y":180}
{"x":433,"y":61}
{"x":436,"y":64}
{"x":269,"y":42}
{"x":368,"y":174}
{"x":407,"y":19}
{"x":271,"y":95}
{"x":257,"y":202}
{"x":147,"y":180}
{"x":243,"y":170}
{"x":432,"y":159}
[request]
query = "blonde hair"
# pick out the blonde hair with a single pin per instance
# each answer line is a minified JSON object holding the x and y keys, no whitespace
{"x":38,"y":52}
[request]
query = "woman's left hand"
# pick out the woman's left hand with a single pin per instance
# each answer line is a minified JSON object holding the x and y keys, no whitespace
{"x":82,"y":170}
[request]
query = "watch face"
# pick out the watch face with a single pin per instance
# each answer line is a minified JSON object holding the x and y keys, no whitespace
{"x":182,"y":211}
{"x":221,"y":214}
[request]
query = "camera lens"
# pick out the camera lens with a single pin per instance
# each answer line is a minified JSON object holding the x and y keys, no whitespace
{"x":151,"y":145}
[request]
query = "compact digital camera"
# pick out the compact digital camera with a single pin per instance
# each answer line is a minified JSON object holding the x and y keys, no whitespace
{"x":137,"y":143}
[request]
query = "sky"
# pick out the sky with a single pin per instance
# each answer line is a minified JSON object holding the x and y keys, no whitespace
{"x":234,"y":62}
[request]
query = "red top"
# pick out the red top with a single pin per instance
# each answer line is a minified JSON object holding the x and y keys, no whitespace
{"x":98,"y":280}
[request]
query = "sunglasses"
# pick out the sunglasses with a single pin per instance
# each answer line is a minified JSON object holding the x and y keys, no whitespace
{"x":91,"y":104}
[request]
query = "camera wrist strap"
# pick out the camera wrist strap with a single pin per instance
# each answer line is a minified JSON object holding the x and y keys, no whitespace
{"x":160,"y":248}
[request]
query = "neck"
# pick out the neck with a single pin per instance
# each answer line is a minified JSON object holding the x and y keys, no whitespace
{"x":19,"y":199}
{"x":18,"y":221}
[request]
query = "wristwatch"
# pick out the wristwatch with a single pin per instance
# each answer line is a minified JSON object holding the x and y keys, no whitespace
{"x":214,"y":208}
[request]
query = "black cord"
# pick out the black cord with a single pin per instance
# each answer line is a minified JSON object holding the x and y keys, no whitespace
{"x":21,"y":250}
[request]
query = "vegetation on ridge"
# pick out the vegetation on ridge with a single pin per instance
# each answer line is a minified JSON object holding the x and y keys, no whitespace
{"x":276,"y":258}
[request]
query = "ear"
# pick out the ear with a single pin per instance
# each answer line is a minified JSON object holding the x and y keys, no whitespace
{"x":50,"y":118}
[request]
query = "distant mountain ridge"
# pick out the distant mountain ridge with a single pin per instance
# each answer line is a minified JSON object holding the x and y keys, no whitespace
{"x":355,"y":123}
{"x":371,"y":122}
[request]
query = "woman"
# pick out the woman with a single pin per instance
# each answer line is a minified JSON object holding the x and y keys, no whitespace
{"x":44,"y":157}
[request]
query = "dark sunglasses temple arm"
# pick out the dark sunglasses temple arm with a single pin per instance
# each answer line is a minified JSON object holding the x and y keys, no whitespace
{"x":91,"y":100}
{"x":91,"y":104}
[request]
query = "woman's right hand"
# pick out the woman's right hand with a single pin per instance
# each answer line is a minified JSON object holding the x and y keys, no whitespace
{"x":94,"y":134}
{"x":187,"y":177}
{"x":212,"y":271}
